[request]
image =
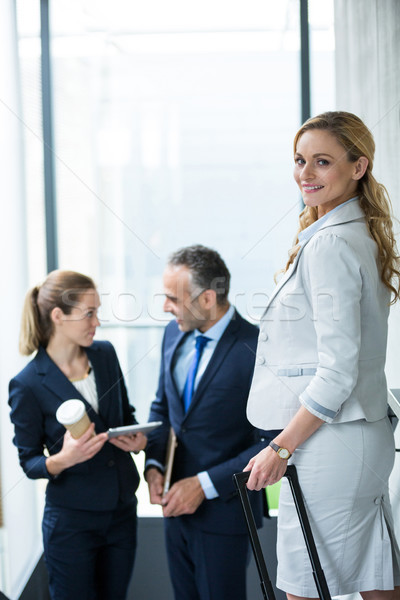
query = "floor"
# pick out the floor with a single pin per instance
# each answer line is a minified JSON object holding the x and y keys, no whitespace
{"x":150,"y":579}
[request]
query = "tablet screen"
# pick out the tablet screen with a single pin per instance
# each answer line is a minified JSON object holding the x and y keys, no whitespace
{"x":132,"y":429}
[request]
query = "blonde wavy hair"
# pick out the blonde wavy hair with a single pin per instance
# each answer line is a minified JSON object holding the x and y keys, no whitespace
{"x":60,"y":289}
{"x":357,"y":141}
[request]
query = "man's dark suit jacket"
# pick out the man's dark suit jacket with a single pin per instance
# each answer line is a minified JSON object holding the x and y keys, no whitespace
{"x":214,"y":435}
{"x":36,"y":393}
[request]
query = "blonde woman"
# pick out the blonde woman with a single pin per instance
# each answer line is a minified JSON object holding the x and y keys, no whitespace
{"x":89,"y":522}
{"x":319,"y":372}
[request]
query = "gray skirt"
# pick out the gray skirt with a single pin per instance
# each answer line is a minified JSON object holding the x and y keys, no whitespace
{"x":343,"y":471}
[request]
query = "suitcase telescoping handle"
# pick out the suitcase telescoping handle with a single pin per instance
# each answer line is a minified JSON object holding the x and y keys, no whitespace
{"x":319,"y":575}
{"x":240,"y":480}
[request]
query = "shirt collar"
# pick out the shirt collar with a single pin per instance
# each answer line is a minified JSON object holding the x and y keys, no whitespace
{"x":307,"y":233}
{"x":216,"y":331}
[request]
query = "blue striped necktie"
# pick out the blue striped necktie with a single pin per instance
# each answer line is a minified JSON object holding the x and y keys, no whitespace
{"x":201,"y":341}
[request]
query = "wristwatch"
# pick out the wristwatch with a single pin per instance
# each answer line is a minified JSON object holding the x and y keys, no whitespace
{"x":281,"y":452}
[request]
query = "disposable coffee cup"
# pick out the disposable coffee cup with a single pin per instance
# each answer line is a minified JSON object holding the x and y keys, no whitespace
{"x":72,"y":414}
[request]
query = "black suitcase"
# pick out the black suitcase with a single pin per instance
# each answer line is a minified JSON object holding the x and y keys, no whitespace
{"x":240,"y":480}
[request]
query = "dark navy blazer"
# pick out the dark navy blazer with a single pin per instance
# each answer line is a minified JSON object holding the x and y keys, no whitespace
{"x":36,"y":393}
{"x":214,"y":435}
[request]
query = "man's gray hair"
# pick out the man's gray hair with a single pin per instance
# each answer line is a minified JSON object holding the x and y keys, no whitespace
{"x":208,"y":270}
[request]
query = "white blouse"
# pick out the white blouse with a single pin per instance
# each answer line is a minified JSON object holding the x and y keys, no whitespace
{"x":87,"y":387}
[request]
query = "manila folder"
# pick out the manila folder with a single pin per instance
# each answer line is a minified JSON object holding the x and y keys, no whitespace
{"x":169,"y":459}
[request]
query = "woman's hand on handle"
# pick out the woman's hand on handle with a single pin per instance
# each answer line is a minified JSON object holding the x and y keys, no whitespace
{"x":75,"y":451}
{"x":266,"y":468}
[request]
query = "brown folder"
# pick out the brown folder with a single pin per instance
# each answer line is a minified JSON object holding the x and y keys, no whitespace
{"x":169,"y":459}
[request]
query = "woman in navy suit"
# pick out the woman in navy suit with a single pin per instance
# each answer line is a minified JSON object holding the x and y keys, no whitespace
{"x":89,"y":522}
{"x":319,"y":372}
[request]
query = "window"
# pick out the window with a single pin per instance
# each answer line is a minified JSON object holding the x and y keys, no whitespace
{"x":173,"y":125}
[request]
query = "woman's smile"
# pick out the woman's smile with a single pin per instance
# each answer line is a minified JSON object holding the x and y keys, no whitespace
{"x":323,"y":172}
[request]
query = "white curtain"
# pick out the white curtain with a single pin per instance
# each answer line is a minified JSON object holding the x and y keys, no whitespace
{"x":374,"y":95}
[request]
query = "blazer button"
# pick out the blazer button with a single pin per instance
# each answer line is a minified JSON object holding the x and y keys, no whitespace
{"x":260,"y":360}
{"x":111,"y":463}
{"x":183,"y":430}
{"x":263,"y":336}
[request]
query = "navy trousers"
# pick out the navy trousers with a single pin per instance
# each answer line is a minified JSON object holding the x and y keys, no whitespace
{"x":89,"y":554}
{"x":204,"y":565}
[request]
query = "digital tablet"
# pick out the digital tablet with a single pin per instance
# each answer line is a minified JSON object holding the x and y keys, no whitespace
{"x":132,"y":429}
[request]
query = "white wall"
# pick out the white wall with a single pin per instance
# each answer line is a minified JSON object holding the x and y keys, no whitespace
{"x":368,"y":83}
{"x":20,"y":541}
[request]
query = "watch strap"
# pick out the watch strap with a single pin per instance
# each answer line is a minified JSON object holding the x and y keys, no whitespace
{"x":274,"y":446}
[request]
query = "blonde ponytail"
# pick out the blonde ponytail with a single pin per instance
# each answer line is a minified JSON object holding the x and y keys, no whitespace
{"x":30,"y":336}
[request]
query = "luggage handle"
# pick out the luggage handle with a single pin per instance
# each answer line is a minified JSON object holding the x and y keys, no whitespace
{"x":240,"y":480}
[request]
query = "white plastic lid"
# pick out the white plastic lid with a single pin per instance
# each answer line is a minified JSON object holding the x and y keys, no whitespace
{"x":70,"y":412}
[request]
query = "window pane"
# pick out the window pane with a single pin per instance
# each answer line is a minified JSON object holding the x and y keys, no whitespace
{"x":175,"y":131}
{"x":173,"y":125}
{"x":28,"y":22}
{"x":322,"y":55}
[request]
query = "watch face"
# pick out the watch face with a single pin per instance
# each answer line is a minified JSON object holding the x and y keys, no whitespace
{"x":283,"y":453}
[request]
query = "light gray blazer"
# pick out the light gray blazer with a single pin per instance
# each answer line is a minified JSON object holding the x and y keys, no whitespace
{"x":323,"y":335}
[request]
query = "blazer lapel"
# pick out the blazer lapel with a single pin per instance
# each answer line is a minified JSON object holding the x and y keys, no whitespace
{"x":109,"y":411}
{"x":223,"y":346}
{"x":170,"y":384}
{"x":351,"y":212}
{"x":285,"y":278}
{"x":58,"y":384}
{"x":54,"y":379}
